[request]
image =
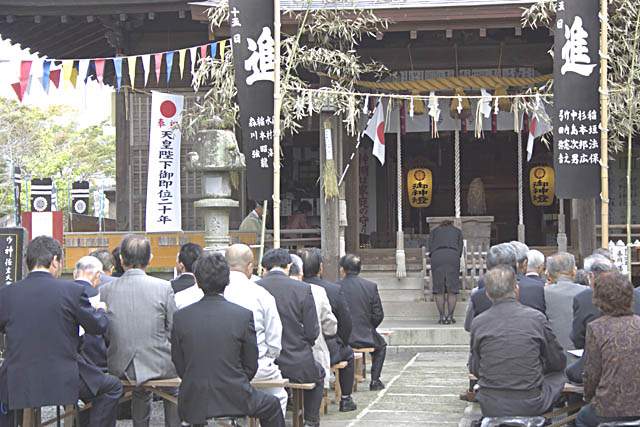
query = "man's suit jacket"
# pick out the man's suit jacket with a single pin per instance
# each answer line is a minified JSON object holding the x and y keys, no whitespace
{"x":182,"y":282}
{"x":559,"y":302}
{"x":93,"y":347}
{"x":299,"y":326}
{"x":366,"y":311}
{"x":536,"y":277}
{"x":140,"y":310}
{"x":531,"y":292}
{"x":40,"y":316}
{"x":214,"y":350}
{"x":339,"y":343}
{"x":584,"y":312}
{"x":104,"y":278}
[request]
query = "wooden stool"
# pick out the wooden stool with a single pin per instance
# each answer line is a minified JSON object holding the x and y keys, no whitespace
{"x":324,"y":405}
{"x":634,"y":423}
{"x":228,"y":421}
{"x":337,"y":388}
{"x":514,"y":421}
{"x":361,"y":364}
{"x":297,"y":390}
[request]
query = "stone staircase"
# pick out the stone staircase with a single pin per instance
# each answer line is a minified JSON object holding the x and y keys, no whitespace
{"x":410,"y":312}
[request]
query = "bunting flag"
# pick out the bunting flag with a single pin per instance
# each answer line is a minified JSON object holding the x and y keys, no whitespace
{"x":214,"y":50}
{"x":203,"y":51}
{"x":66,"y":72}
{"x":46,"y":67}
{"x":83,"y":69}
{"x":192,"y":52}
{"x":117,"y":65}
{"x":54,"y":76}
{"x":146,"y":62}
{"x":169,"y":59}
{"x":16,"y":88}
{"x":89,"y":68}
{"x":25,"y":69}
{"x":183,"y":54}
{"x":223,"y":45}
{"x":99,"y":63}
{"x":74,"y":75}
{"x":131,"y":63}
{"x":158,"y":63}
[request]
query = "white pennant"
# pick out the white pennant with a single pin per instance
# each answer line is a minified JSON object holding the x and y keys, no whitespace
{"x":365,"y":108}
{"x":192,"y":53}
{"x":146,"y":61}
{"x":83,"y":69}
{"x":411,"y":108}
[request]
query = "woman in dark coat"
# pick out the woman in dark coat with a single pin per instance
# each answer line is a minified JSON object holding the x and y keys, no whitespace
{"x":445,"y":248}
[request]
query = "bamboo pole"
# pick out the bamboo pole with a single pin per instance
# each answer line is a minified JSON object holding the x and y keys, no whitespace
{"x":604,"y":117}
{"x":277,"y":103}
{"x":630,"y":88}
{"x":263,"y":229}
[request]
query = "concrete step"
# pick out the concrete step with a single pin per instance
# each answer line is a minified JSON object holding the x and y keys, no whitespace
{"x":418,"y":310}
{"x":413,"y":280}
{"x":400,"y":295}
{"x":436,"y":335}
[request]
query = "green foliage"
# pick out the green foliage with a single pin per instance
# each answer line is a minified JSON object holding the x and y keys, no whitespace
{"x":336,"y":34}
{"x":37,"y":142}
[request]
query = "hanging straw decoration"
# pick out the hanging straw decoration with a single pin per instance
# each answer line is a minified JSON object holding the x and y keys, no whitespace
{"x":329,"y":177}
{"x":503,"y":101}
{"x":460,"y":106}
{"x":419,"y":104}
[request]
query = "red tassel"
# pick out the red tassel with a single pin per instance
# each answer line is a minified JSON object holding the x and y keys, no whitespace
{"x":403,"y":119}
{"x":464,"y":125}
{"x":494,"y":123}
{"x":525,"y":123}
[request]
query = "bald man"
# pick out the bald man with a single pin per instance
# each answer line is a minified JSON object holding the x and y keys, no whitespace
{"x":245,"y":293}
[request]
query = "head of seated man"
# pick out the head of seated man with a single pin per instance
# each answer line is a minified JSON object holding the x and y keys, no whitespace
{"x":502,"y":254}
{"x":522,"y":256}
{"x":135,"y":252}
{"x":561,"y":266}
{"x":501,"y":283}
{"x":594,"y":265}
{"x":212,"y":273}
{"x":277,"y":260}
{"x":535,"y":262}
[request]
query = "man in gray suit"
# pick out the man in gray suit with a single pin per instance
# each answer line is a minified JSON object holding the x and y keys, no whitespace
{"x":558,"y":297}
{"x":108,"y":263}
{"x":141,"y":317}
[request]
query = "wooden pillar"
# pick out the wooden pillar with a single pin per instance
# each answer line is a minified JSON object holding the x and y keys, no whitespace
{"x":583,"y":230}
{"x":352,"y":196}
{"x":123,"y":162}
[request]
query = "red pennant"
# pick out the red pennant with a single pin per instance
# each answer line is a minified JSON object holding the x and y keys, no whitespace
{"x":525,"y":123}
{"x":25,"y":69}
{"x":158,"y":59}
{"x":203,"y":51}
{"x":403,"y":119}
{"x":494,"y":123}
{"x":54,"y":76}
{"x":99,"y":63}
{"x":16,"y":88}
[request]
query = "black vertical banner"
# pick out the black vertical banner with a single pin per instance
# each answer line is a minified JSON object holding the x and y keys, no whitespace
{"x":11,"y":255}
{"x":576,"y":74}
{"x":17,"y":193}
{"x":80,"y":197}
{"x":41,"y":190}
{"x":253,"y":56}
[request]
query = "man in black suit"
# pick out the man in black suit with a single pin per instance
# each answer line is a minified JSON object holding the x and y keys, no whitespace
{"x":189,"y":253}
{"x":531,"y":290}
{"x":366,"y":311}
{"x":338,"y":344}
{"x":41,"y":315}
{"x":535,"y":266}
{"x":88,"y":273}
{"x":585,"y":312}
{"x":300,"y":329}
{"x":214,"y":350}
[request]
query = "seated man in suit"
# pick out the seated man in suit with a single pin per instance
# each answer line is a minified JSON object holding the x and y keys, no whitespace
{"x":516,"y":357}
{"x":535,"y":265}
{"x":108,"y":264}
{"x":367,"y":314}
{"x":41,"y":316}
{"x":531,"y":290}
{"x":88,"y":273}
{"x":561,"y":270}
{"x":339,"y":343}
{"x":584,"y":312}
{"x":300,"y":330}
{"x":184,"y":286}
{"x":214,"y":349}
{"x":266,"y":320}
{"x":141,"y":316}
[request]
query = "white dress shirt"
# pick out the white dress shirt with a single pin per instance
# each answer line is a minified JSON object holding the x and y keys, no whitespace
{"x":188,"y":296}
{"x":266,"y":319}
{"x":328,"y":326}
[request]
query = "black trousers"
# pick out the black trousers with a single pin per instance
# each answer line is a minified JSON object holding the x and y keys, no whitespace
{"x":574,"y":371}
{"x":344,"y":354}
{"x":587,"y":417}
{"x":104,"y":409}
{"x":377,"y":360}
{"x":266,"y":407}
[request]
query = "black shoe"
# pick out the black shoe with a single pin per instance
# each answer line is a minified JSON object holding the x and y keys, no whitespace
{"x":311,"y":424}
{"x":347,"y":404}
{"x":376,"y":385}
{"x":442,"y":321}
{"x":451,"y":320}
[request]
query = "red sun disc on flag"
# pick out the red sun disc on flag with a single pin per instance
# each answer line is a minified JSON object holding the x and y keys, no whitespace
{"x":168,"y":109}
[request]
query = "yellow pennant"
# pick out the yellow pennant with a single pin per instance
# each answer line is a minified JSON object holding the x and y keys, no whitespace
{"x":66,"y":70}
{"x":223,"y":45}
{"x":183,"y":54}
{"x":74,"y":76}
{"x":131,"y":62}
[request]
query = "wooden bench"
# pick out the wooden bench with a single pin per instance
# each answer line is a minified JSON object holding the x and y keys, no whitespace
{"x":361,"y":364}
{"x":337,"y":388}
{"x":297,"y":391}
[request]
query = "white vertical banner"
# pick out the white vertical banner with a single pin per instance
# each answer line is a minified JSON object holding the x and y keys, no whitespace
{"x":163,"y":182}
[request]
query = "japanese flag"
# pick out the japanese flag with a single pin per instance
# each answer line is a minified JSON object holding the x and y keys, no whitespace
{"x":539,"y":125}
{"x":375,"y":131}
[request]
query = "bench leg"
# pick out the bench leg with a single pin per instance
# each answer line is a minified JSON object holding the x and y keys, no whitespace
{"x":27,"y":417}
{"x":337,"y":388}
{"x":298,"y":407}
{"x":68,"y":421}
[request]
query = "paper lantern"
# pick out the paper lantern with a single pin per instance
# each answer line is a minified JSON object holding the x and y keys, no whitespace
{"x":541,"y":182}
{"x":420,"y":187}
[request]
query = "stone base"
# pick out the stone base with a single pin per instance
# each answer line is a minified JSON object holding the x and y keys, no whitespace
{"x":476,"y":230}
{"x":216,"y":222}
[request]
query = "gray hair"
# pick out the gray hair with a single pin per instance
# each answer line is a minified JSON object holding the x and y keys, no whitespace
{"x":296,"y":265}
{"x":561,"y":263}
{"x":604,"y":252}
{"x":522,"y":251}
{"x":500,"y":282}
{"x":597,"y":264}
{"x":88,"y":265}
{"x":503,"y":253}
{"x":536,"y":259}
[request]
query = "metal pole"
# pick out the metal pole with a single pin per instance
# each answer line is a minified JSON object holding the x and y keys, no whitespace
{"x":262,"y":233}
{"x":604,"y":115}
{"x":401,"y":268}
{"x":277,"y":102}
{"x":521,"y":230}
